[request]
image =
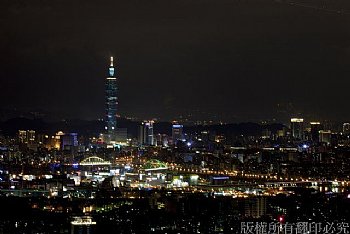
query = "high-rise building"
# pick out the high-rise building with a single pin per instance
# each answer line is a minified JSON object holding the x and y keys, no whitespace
{"x":255,"y":207}
{"x":315,"y":128}
{"x":22,"y":136}
{"x":111,"y":105}
{"x":146,"y":136}
{"x":177,"y":134}
{"x":325,"y":136}
{"x":297,"y":128}
{"x":69,"y":141}
{"x":26,"y":136}
{"x":162,"y":140}
{"x":346,"y":128}
{"x":30,"y":135}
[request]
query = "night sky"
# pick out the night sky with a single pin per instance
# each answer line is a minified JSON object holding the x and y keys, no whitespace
{"x":236,"y":59}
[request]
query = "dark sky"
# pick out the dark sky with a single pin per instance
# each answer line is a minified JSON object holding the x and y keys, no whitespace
{"x":236,"y":59}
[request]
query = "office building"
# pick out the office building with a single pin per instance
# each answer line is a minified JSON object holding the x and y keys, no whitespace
{"x":22,"y":136}
{"x":111,"y":105}
{"x":315,"y":127}
{"x":255,"y":207}
{"x":162,"y":140}
{"x":146,"y":136}
{"x":346,"y":128}
{"x":177,"y":134}
{"x":69,"y":141}
{"x":26,"y":136}
{"x":325,"y":136}
{"x":297,"y":128}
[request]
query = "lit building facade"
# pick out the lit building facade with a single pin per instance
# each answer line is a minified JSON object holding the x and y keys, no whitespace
{"x":22,"y":136}
{"x":111,"y":105}
{"x":315,"y":127}
{"x":69,"y":141}
{"x":255,"y":207}
{"x":346,"y":128}
{"x":325,"y":136}
{"x":26,"y":136}
{"x":297,"y":128}
{"x":177,"y":134}
{"x":146,"y":136}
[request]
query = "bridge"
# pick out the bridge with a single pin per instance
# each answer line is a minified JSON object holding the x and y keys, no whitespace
{"x":94,"y":161}
{"x":154,"y":165}
{"x":312,"y":183}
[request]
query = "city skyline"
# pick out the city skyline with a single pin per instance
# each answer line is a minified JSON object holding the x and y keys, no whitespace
{"x":175,"y":116}
{"x":227,"y":58}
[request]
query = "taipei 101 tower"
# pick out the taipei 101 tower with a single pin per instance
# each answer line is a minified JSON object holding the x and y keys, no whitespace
{"x":111,"y":105}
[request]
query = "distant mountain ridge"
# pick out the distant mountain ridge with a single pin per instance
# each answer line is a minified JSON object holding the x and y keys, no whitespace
{"x":10,"y":127}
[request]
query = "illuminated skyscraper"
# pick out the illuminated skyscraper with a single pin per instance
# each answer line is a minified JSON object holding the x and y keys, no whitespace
{"x":177,"y":133}
{"x":111,"y":105}
{"x":146,"y":136}
{"x":297,"y":127}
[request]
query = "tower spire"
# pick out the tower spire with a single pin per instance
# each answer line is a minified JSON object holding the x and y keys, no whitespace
{"x":111,"y":68}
